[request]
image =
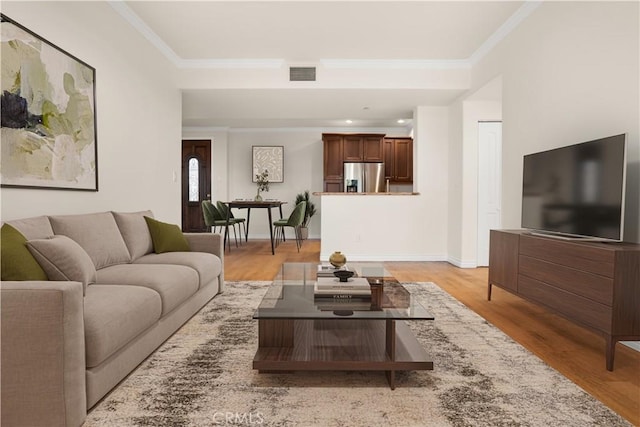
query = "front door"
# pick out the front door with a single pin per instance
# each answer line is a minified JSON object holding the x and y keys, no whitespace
{"x":196,"y":183}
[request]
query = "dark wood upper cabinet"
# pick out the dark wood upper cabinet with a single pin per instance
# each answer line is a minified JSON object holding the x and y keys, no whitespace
{"x":388,"y":157}
{"x":333,"y":154}
{"x":353,"y":148}
{"x":398,"y":159}
{"x":372,"y":149}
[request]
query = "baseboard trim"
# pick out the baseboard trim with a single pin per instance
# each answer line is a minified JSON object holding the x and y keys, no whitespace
{"x":381,"y":258}
{"x":460,"y":263}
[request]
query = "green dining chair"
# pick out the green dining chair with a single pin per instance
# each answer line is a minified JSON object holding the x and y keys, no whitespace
{"x":223,"y":208}
{"x":295,"y":221}
{"x":213,"y":219}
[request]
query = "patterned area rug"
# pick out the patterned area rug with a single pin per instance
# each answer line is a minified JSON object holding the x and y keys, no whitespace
{"x":202,"y":376}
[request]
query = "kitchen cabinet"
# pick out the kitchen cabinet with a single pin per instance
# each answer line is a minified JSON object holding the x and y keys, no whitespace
{"x":341,"y":148}
{"x":372,"y":149}
{"x":352,"y":148}
{"x":333,"y":154}
{"x":362,"y":148}
{"x":398,"y":159}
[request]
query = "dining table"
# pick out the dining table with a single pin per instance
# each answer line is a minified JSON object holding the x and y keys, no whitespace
{"x":253,"y":204}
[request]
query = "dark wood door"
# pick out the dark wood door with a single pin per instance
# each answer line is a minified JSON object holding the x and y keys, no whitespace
{"x":388,"y":158}
{"x":503,"y":259}
{"x":196,"y":183}
{"x":352,"y":149}
{"x":403,"y":156}
{"x":372,"y":149}
{"x":333,"y":168}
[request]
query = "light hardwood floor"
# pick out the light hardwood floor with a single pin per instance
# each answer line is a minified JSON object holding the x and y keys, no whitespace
{"x":573,"y":351}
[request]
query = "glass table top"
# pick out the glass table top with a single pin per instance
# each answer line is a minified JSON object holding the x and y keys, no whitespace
{"x":291,"y":296}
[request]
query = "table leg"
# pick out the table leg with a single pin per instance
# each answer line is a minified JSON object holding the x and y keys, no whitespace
{"x":391,"y":350}
{"x":284,"y":238}
{"x":246,"y":230}
{"x":226,"y":230}
{"x":273,"y":250}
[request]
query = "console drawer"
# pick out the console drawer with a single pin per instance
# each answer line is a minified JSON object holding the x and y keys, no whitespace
{"x":574,"y":307}
{"x":591,"y":286}
{"x":585,"y":256}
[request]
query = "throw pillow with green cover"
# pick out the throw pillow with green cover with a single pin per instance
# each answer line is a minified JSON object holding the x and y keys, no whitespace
{"x":17,"y":261}
{"x":166,"y":237}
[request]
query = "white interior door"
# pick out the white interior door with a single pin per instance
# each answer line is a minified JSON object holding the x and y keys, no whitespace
{"x":489,"y":185}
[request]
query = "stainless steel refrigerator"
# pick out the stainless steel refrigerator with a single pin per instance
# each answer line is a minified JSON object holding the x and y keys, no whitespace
{"x":364,"y":177}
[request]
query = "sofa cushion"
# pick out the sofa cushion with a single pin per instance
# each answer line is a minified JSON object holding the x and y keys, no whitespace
{"x":37,"y":227}
{"x":63,"y":259}
{"x":97,"y":233}
{"x":174,"y":283}
{"x":17,"y":262}
{"x":166,"y":237}
{"x":207,"y":265}
{"x":135,"y":232}
{"x":114,"y":315}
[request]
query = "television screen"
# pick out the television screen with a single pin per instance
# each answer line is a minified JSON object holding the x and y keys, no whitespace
{"x":576,"y":190}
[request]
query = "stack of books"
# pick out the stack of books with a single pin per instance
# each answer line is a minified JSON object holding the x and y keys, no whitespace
{"x":331,"y":287}
{"x":326,"y":270}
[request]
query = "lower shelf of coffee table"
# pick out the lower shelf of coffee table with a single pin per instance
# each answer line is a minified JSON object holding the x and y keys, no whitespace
{"x":330,"y":344}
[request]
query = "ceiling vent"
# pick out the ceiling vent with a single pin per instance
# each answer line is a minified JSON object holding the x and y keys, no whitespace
{"x":302,"y":74}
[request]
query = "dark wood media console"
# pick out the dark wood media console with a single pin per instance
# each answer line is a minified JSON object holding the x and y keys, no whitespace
{"x":596,"y":285}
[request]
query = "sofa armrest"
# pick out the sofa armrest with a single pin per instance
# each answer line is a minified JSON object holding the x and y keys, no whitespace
{"x":210,"y":243}
{"x":43,"y":354}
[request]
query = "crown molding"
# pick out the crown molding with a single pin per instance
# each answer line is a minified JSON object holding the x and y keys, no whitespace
{"x":397,"y":64}
{"x":509,"y":25}
{"x":136,"y":22}
{"x":270,"y":63}
{"x":229,"y":63}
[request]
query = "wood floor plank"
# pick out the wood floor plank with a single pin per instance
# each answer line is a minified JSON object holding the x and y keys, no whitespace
{"x":570,"y":349}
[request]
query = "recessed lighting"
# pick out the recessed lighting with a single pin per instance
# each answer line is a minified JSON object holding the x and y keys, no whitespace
{"x":400,"y":120}
{"x":349,"y":121}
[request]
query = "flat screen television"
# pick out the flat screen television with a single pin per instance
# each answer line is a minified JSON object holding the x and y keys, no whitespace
{"x":576,"y":192}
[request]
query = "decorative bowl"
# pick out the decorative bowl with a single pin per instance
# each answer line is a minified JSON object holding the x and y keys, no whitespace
{"x":343,"y":275}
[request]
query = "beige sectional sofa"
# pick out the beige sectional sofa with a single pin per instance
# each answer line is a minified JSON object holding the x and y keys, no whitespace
{"x":65,"y":344}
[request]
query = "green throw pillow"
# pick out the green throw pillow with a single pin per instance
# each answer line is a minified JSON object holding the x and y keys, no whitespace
{"x":17,"y":261}
{"x":166,"y":237}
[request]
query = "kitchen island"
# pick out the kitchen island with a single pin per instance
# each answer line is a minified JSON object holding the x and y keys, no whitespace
{"x":381,"y":227}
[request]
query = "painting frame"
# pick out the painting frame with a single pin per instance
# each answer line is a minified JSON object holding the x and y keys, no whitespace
{"x":49,"y":117}
{"x":270,"y":158}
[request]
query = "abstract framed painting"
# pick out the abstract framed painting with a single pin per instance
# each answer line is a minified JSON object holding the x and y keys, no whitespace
{"x":271,"y":159}
{"x":49,"y":137}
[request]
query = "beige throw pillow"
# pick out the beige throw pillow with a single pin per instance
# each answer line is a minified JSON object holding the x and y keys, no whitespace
{"x":63,"y":259}
{"x":97,"y":234}
{"x":135,"y":232}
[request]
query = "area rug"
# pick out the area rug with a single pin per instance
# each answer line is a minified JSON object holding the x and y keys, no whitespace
{"x":202,"y":376}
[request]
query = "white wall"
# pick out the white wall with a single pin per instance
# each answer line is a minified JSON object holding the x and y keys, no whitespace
{"x":570,"y":74}
{"x":406,"y":228}
{"x":138,"y":110}
{"x":302,"y":171}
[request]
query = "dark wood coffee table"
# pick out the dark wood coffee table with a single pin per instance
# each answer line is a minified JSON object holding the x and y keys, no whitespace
{"x":300,"y":333}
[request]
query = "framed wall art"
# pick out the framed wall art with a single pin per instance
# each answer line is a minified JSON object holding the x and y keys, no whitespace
{"x":270,"y":158}
{"x":48,"y":114}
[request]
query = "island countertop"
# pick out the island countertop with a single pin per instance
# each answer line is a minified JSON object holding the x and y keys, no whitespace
{"x":402,"y":193}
